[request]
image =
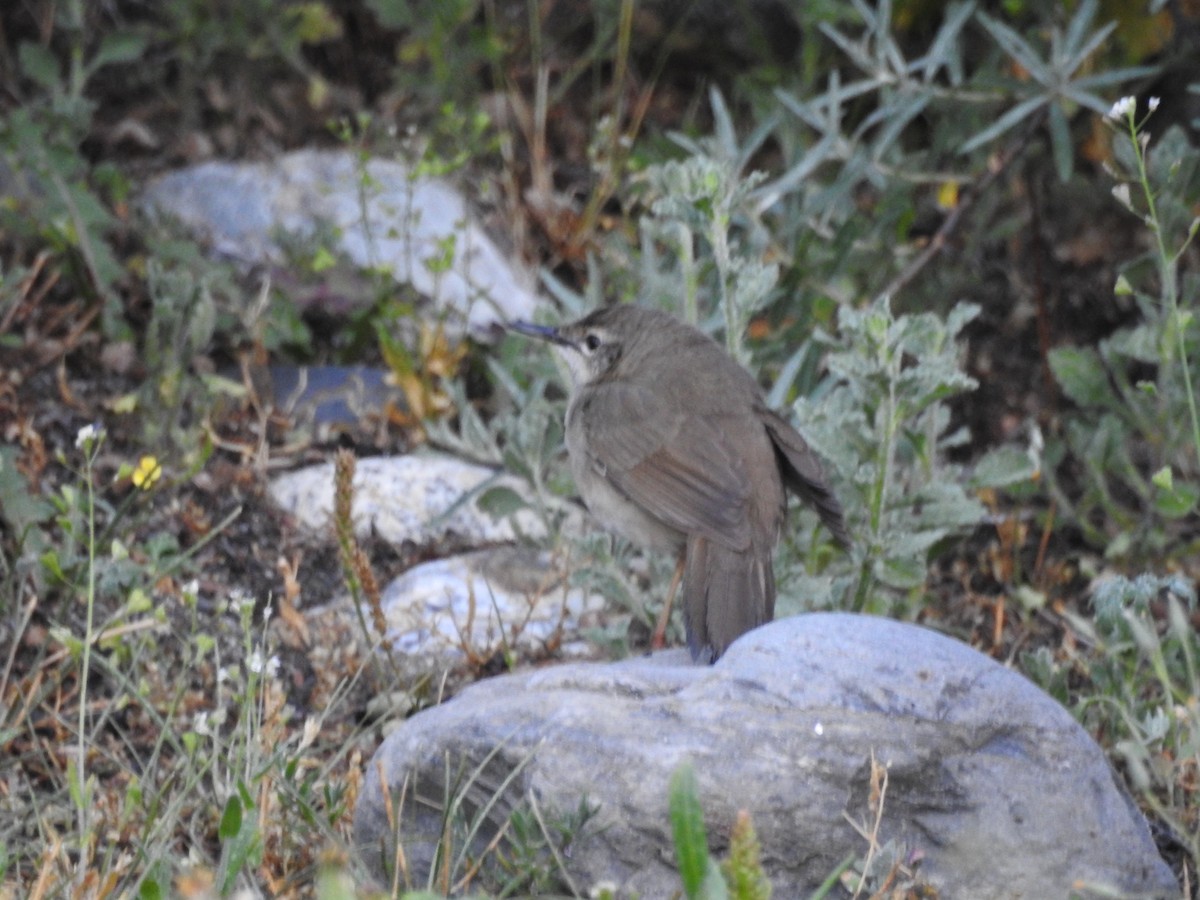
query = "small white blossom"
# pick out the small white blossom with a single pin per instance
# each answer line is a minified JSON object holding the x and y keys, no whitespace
{"x":266,"y":614}
{"x":1122,"y":108}
{"x":1153,"y":103}
{"x":242,"y":599}
{"x":258,"y":665}
{"x":1121,"y":193}
{"x":88,"y":434}
{"x":200,"y":724}
{"x":222,"y":674}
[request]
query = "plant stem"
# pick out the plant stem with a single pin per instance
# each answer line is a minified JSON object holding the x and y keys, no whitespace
{"x":1167,"y":270}
{"x":82,"y":804}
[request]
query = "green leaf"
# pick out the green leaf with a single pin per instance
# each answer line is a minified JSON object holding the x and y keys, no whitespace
{"x":40,"y":65}
{"x":687,"y":828}
{"x":1075,"y":41}
{"x":1017,"y":114}
{"x":1060,"y":144}
{"x":1176,"y":500}
{"x":241,"y":844}
{"x":902,"y":573}
{"x":500,"y":502}
{"x":1003,"y":466}
{"x":1016,"y":47}
{"x":50,"y":562}
{"x":1081,"y":375}
{"x":231,"y":819}
{"x":21,"y":507}
{"x":118,"y":47}
{"x":713,"y":887}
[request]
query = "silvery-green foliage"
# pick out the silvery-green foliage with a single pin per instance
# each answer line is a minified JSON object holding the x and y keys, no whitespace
{"x":706,"y":196}
{"x":1140,"y":657}
{"x":883,"y":427}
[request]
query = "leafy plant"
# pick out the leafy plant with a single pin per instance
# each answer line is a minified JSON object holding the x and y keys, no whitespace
{"x":471,"y":828}
{"x":897,"y":135}
{"x":58,"y":200}
{"x":221,"y":763}
{"x":883,"y":427}
{"x":204,"y":37}
{"x":701,"y":875}
{"x":1055,"y":84}
{"x":699,"y":197}
{"x":1136,"y":435}
{"x":1140,"y":661}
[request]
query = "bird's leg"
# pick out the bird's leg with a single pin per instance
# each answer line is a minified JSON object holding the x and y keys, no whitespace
{"x":658,"y":640}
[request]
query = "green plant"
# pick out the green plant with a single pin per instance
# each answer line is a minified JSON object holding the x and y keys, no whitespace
{"x":471,"y":828}
{"x":1139,"y":661}
{"x":58,"y":200}
{"x":699,"y":197}
{"x":898,"y":132}
{"x":1136,"y":434}
{"x":883,"y":426}
{"x":170,"y":739}
{"x":443,"y":44}
{"x":700,"y":873}
{"x":203,"y":37}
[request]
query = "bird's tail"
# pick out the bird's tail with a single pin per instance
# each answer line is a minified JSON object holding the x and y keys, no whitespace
{"x":725,"y":594}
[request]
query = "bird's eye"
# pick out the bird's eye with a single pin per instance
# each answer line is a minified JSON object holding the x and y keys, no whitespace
{"x":592,"y":342}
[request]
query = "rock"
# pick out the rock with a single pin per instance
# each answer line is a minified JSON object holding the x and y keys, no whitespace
{"x":377,"y":213}
{"x":322,"y":401}
{"x":477,"y":604}
{"x":991,"y":783}
{"x":418,"y":498}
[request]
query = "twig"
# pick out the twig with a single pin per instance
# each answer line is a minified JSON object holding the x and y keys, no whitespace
{"x":996,"y":166}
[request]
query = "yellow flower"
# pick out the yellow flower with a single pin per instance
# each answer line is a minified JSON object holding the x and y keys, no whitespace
{"x":147,"y":472}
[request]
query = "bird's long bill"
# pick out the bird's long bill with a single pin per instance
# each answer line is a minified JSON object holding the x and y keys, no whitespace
{"x":542,"y":332}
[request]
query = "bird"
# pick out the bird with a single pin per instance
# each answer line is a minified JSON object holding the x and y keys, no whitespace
{"x":672,"y":445}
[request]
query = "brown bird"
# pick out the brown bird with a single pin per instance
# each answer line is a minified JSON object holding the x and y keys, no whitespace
{"x":672,"y":446}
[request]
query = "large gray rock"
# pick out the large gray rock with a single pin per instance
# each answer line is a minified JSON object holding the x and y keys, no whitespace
{"x":990,"y":782}
{"x":379,"y":213}
{"x":420,"y":498}
{"x":502,"y":598}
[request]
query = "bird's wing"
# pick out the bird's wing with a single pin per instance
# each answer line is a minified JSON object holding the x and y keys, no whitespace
{"x":668,"y":460}
{"x":802,"y":473}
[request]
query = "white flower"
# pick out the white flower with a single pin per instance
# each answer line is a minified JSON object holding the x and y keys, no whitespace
{"x":258,"y":665}
{"x":242,"y":599}
{"x":1153,"y":103}
{"x":200,"y":724}
{"x":88,"y":434}
{"x":1122,"y":108}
